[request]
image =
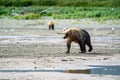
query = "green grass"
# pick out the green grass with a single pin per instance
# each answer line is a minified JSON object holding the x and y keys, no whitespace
{"x":57,"y":12}
{"x":83,"y":3}
{"x":85,"y":12}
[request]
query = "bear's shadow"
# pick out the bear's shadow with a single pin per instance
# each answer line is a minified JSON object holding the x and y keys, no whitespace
{"x":89,"y":53}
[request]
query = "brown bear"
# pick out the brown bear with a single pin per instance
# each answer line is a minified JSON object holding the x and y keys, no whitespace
{"x":51,"y":25}
{"x":79,"y":36}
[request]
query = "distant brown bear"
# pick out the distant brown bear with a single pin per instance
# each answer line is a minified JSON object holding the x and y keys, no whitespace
{"x":51,"y":25}
{"x":79,"y":36}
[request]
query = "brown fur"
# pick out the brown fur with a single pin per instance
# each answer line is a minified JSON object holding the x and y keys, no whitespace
{"x":79,"y":36}
{"x":51,"y":25}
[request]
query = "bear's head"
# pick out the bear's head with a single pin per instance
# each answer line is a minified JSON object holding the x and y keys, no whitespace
{"x":72,"y":33}
{"x":67,"y":32}
{"x":50,"y":23}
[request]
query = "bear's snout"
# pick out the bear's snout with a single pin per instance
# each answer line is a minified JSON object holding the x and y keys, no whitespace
{"x":64,"y":37}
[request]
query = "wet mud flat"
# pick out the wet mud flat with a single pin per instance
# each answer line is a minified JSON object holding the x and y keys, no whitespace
{"x":30,"y":51}
{"x":53,"y":44}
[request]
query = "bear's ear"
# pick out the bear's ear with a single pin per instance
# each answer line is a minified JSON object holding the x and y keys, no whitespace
{"x":69,"y":32}
{"x":66,"y":30}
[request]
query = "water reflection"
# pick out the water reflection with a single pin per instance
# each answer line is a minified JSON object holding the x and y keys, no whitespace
{"x":86,"y":71}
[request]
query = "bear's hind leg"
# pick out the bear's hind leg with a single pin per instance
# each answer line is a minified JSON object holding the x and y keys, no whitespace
{"x":89,"y":45}
{"x":82,"y":47}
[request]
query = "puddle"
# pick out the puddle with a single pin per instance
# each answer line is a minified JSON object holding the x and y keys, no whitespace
{"x":47,"y":37}
{"x":107,"y":70}
{"x":60,"y":37}
{"x":97,"y":39}
{"x":31,"y":39}
{"x":100,"y":70}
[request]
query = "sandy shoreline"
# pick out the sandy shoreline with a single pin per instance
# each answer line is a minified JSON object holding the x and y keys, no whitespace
{"x":29,"y":45}
{"x":56,"y":63}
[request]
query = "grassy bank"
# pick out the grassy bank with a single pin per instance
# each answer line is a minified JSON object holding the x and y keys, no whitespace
{"x":60,"y":12}
{"x":83,"y":3}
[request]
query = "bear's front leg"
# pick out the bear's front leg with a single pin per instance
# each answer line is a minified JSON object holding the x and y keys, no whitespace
{"x":49,"y":27}
{"x":53,"y":27}
{"x":68,"y":48}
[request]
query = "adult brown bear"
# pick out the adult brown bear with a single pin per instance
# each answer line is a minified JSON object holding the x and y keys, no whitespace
{"x":79,"y":36}
{"x":51,"y":25}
